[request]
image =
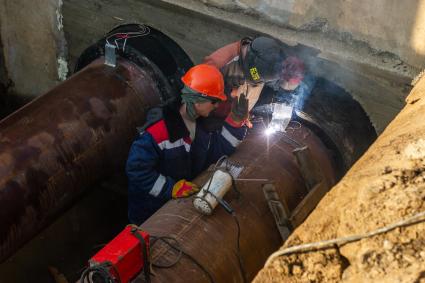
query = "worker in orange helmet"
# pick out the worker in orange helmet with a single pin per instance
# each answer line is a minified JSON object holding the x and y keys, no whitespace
{"x":173,"y":148}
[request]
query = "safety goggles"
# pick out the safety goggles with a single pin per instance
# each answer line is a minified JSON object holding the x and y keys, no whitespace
{"x":214,"y":100}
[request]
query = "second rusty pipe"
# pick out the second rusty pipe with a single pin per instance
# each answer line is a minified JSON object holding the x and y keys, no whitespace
{"x":68,"y":139}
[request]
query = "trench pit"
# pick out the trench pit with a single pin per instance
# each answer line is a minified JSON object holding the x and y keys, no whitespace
{"x":111,"y":205}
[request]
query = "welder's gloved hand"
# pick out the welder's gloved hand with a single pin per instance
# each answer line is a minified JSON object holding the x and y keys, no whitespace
{"x":239,"y":112}
{"x":183,"y":189}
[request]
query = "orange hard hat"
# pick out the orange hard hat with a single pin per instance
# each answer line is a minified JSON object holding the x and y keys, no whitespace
{"x":207,"y":80}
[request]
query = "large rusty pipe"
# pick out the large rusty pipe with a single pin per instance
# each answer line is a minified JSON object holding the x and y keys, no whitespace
{"x":212,"y":240}
{"x":66,"y":140}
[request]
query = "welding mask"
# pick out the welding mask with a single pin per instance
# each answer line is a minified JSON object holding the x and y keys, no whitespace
{"x":263,"y":60}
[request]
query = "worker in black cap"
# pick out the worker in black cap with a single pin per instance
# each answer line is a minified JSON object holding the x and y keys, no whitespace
{"x":247,"y":65}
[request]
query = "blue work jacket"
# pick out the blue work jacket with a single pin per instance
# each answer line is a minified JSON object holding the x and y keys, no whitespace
{"x":163,"y":153}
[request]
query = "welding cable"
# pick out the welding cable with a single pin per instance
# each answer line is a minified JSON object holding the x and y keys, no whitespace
{"x":116,"y":37}
{"x":238,"y":249}
{"x":102,"y":270}
{"x":176,"y":246}
{"x":154,"y":239}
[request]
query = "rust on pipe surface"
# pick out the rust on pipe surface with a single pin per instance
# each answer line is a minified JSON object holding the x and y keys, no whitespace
{"x":58,"y":145}
{"x":212,"y":240}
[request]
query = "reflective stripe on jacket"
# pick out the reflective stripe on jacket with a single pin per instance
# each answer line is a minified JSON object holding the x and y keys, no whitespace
{"x":164,"y":154}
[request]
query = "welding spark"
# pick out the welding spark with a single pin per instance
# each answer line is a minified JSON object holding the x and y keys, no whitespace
{"x":270,"y":131}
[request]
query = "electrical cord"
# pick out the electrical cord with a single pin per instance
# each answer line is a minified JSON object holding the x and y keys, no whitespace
{"x":154,"y":239}
{"x":238,"y":249}
{"x":178,"y":248}
{"x":101,"y":271}
{"x":124,"y":36}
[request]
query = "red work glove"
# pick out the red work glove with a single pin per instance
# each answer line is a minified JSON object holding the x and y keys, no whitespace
{"x":183,"y":189}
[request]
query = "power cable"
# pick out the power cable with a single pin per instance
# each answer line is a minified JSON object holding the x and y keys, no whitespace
{"x":178,"y":248}
{"x":124,"y":36}
{"x":238,"y":249}
{"x":154,"y":239}
{"x":99,"y":272}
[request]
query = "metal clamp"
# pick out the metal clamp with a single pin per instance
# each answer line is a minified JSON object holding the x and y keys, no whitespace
{"x":279,"y":211}
{"x":110,"y":55}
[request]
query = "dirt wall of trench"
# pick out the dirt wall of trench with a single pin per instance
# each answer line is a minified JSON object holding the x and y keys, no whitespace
{"x":385,"y":186}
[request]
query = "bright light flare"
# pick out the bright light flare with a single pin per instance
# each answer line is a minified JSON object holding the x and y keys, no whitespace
{"x":270,"y":131}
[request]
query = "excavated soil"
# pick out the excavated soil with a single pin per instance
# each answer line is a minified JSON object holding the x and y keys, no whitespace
{"x":385,"y":186}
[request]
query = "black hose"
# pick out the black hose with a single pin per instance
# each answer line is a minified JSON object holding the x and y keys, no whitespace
{"x":238,"y":249}
{"x":101,"y":274}
{"x":176,"y":246}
